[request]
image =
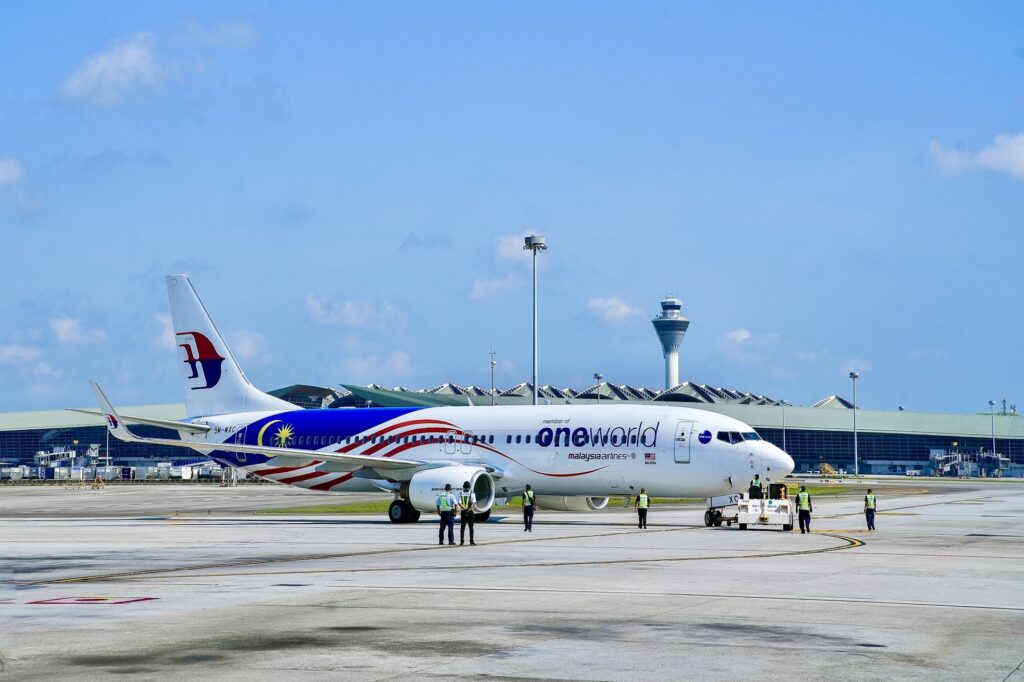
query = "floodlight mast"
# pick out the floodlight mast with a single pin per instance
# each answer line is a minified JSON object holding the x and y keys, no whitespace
{"x":535,"y":243}
{"x":856,"y":460}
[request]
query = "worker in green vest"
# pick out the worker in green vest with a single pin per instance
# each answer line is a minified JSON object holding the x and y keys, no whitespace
{"x":467,"y":498}
{"x":870,"y":506}
{"x":529,"y":503}
{"x":755,"y":491}
{"x":445,"y":505}
{"x":804,"y":508}
{"x":643,"y":503}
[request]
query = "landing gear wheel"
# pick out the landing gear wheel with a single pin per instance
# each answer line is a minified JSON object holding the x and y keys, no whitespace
{"x":708,"y":518}
{"x":401,"y":511}
{"x":743,"y":526}
{"x":482,"y":516}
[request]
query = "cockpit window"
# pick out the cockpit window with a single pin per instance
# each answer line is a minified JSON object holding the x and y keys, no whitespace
{"x":731,"y":437}
{"x":751,"y":436}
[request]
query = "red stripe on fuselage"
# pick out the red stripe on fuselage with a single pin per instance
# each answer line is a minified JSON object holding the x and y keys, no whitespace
{"x":327,"y":485}
{"x":302,"y":477}
{"x":284,"y":470}
{"x":349,"y":448}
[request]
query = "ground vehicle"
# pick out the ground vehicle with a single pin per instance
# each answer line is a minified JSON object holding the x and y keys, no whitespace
{"x":775,"y":510}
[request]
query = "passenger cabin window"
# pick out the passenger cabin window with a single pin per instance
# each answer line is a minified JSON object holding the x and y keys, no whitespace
{"x":518,"y":439}
{"x":508,"y":438}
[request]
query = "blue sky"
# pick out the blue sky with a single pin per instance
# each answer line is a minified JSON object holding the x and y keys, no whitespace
{"x":826,"y":186}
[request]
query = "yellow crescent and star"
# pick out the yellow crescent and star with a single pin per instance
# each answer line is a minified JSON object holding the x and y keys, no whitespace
{"x":282,"y":437}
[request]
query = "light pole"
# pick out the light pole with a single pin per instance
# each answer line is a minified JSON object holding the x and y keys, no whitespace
{"x":992,"y":412}
{"x":597,"y":377}
{"x":535,"y":243}
{"x":493,"y":363}
{"x":783,"y":403}
{"x":856,"y":460}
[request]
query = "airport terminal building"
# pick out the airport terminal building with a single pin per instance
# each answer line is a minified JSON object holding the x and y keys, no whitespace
{"x":888,"y":442}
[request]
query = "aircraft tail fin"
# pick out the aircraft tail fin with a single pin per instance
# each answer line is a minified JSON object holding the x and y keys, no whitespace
{"x":214,"y":383}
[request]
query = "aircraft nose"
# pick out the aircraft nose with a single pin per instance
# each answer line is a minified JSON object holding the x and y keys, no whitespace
{"x":781,"y":461}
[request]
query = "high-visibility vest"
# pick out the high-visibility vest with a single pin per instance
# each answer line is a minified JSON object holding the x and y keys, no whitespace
{"x":527,"y":498}
{"x":466,"y":498}
{"x":804,"y":501}
{"x":756,"y":483}
{"x":870,"y":501}
{"x":643,"y":501}
{"x":444,"y":502}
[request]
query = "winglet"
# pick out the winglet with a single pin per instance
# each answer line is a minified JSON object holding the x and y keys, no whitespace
{"x":114,"y":423}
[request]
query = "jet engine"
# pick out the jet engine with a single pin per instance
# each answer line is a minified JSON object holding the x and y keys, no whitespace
{"x":426,"y":486}
{"x":575,"y":504}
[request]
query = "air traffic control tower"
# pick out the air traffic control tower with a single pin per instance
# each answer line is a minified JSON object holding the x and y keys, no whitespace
{"x":671,"y":326}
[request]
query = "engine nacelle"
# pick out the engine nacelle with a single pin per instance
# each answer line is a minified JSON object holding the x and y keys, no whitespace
{"x":574,"y":504}
{"x":426,"y":486}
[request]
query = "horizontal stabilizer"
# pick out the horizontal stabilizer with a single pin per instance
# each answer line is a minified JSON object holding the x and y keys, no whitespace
{"x":163,"y":423}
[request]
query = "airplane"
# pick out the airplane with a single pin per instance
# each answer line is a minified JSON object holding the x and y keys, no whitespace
{"x":575,"y":457}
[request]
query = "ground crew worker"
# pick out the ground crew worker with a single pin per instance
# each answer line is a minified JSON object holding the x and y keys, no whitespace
{"x":869,"y":509}
{"x":529,"y":502}
{"x":467,"y":498}
{"x":643,"y":503}
{"x":755,"y":488}
{"x":803,"y":505}
{"x":446,"y":504}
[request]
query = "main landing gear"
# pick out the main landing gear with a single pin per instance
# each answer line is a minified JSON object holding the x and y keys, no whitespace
{"x":401,"y":511}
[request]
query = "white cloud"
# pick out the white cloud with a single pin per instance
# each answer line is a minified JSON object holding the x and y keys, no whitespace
{"x":378,"y":369}
{"x":612,"y":309}
{"x":485,"y":288}
{"x":1004,"y":155}
{"x":46,"y":370}
{"x":738,"y":335}
{"x":510,"y":248}
{"x":248,"y":345}
{"x":11,"y":172}
{"x":350,"y":313}
{"x":69,"y":331}
{"x":106,"y":77}
{"x":231,"y":34}
{"x":14,"y":354}
{"x":165,"y":338}
{"x":855,"y":365}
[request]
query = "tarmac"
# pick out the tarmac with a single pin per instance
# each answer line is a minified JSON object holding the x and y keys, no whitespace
{"x":937,"y":593}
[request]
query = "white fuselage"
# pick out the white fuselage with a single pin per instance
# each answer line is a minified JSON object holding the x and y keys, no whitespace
{"x":566,"y":450}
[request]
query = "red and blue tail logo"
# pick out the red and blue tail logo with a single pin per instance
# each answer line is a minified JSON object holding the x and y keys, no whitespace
{"x":200,"y":353}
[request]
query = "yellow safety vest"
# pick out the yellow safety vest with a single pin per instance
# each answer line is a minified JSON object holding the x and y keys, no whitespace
{"x":527,"y":498}
{"x":643,"y":501}
{"x":444,"y":502}
{"x":804,"y":501}
{"x":466,"y":497}
{"x":870,"y":501}
{"x":756,"y":483}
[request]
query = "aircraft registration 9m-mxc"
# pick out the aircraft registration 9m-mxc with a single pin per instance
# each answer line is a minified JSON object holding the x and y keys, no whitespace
{"x":574,"y":456}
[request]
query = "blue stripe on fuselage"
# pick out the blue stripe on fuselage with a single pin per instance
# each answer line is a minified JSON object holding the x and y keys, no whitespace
{"x":340,"y":423}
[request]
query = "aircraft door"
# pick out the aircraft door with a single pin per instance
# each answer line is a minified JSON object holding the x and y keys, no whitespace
{"x":239,"y":438}
{"x":684,"y":433}
{"x":450,"y":446}
{"x":465,"y":443}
